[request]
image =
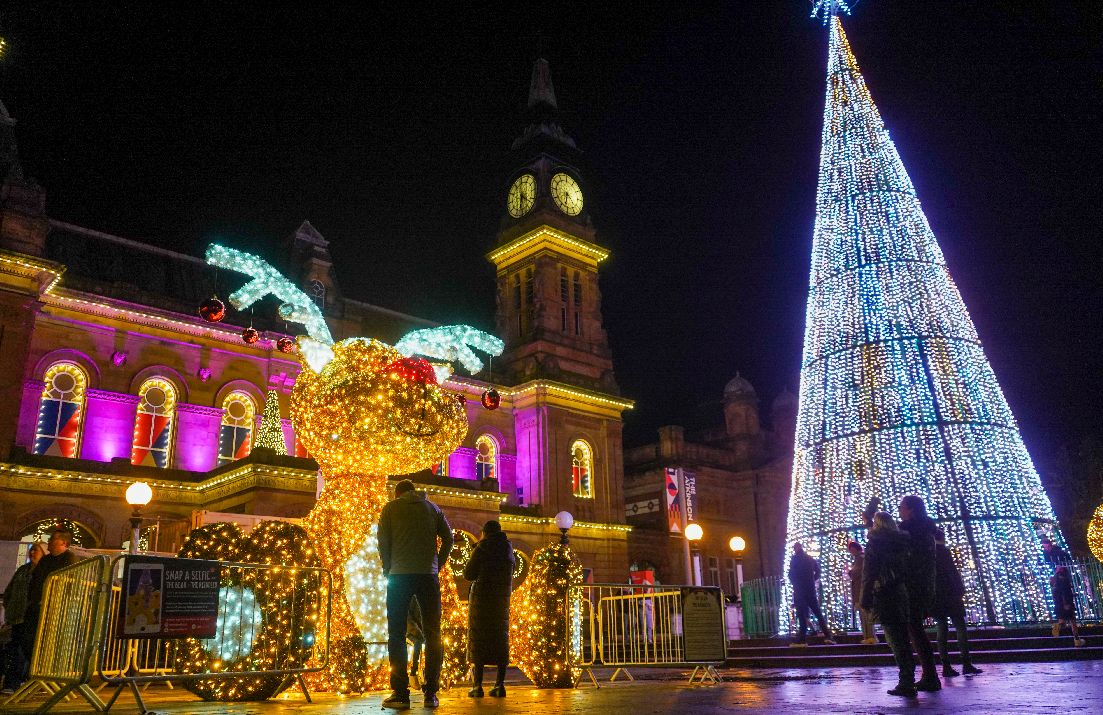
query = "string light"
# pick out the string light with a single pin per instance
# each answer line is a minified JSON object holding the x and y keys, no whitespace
{"x":270,"y":433}
{"x":538,"y":619}
{"x":450,"y":342}
{"x":267,"y":618}
{"x":1095,"y":533}
{"x":896,"y":395}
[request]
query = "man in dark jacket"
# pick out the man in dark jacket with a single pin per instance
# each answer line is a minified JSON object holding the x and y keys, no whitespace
{"x":884,"y":592}
{"x":922,"y":577}
{"x":804,"y":571}
{"x":409,"y":527}
{"x":58,"y":557}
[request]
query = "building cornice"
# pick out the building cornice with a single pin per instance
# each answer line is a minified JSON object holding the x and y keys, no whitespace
{"x":546,"y":237}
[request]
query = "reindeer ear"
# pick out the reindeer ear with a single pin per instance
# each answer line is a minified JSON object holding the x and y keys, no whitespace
{"x":315,"y":353}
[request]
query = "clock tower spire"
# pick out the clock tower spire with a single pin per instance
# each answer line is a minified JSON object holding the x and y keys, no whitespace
{"x":547,"y":257}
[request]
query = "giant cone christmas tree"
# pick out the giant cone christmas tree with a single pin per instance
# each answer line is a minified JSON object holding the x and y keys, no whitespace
{"x":896,"y":394}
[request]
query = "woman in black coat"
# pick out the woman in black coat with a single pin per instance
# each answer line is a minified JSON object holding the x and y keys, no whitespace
{"x":490,"y":570}
{"x":949,"y":605}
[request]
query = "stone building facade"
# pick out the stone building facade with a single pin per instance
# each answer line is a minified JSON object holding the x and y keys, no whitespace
{"x":111,"y":376}
{"x":742,"y":472}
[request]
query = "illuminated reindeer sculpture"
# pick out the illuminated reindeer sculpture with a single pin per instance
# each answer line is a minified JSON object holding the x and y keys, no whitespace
{"x":365,"y":410}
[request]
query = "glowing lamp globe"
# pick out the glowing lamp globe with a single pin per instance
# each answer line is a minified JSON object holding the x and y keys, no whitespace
{"x":737,"y":544}
{"x":694,"y":532}
{"x":564,"y":520}
{"x":138,"y":494}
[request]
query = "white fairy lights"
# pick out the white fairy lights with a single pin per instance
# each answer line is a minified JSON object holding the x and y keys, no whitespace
{"x":896,"y":394}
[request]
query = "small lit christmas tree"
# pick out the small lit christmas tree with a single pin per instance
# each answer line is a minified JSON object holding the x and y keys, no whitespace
{"x":270,"y":434}
{"x":538,"y":622}
{"x":896,"y":394}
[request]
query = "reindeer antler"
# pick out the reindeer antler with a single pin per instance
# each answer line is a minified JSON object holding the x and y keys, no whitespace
{"x":297,"y":306}
{"x":449,"y":342}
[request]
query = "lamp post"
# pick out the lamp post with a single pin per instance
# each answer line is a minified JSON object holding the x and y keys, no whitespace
{"x":738,"y":545}
{"x":694,"y":532}
{"x":138,"y":495}
{"x":564,"y":521}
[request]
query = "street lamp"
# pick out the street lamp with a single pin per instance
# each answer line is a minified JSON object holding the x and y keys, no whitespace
{"x":564,"y":521}
{"x":138,"y":495}
{"x":738,"y":545}
{"x":694,"y":532}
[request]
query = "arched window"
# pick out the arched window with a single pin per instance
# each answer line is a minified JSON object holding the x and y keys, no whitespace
{"x":486,"y":460}
{"x":60,"y":411}
{"x":582,"y":467}
{"x":153,"y":424}
{"x":235,"y":439}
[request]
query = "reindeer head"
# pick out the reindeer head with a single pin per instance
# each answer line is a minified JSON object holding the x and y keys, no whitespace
{"x":360,"y":405}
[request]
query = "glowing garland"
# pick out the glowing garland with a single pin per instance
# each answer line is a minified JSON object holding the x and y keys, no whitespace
{"x":267,"y":619}
{"x":270,"y":434}
{"x":538,"y":640}
{"x":897,"y":396}
{"x":1095,"y":533}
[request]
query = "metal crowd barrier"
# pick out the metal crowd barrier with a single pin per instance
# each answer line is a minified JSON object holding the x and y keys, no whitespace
{"x":761,"y":601}
{"x":623,"y":626}
{"x":69,"y":625}
{"x":76,"y":638}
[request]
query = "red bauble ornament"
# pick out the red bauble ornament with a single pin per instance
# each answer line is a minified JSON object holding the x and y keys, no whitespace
{"x":250,"y":335}
{"x":491,"y":399}
{"x":285,"y":344}
{"x":212,"y":310}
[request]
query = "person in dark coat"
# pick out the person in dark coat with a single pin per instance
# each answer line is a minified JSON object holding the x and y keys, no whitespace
{"x":949,"y":605}
{"x":490,"y":570}
{"x":804,"y":571}
{"x":855,"y":574}
{"x":1053,"y":554}
{"x":922,"y":575}
{"x":15,"y":661}
{"x":1064,"y":600}
{"x":885,"y":593}
{"x":58,"y":556}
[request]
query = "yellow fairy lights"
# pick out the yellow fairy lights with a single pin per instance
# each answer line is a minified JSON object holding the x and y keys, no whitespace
{"x":269,"y":619}
{"x":538,"y":618}
{"x":1095,"y":533}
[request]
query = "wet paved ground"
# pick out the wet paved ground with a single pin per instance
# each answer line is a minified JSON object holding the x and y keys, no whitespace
{"x":1069,"y":687}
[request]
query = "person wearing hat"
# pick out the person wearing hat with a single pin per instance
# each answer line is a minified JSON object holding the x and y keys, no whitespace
{"x":490,"y":570}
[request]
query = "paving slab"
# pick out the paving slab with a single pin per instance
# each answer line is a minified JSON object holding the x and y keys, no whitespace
{"x":1065,"y":687}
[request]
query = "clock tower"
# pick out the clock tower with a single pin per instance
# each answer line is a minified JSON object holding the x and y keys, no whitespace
{"x":547,"y":258}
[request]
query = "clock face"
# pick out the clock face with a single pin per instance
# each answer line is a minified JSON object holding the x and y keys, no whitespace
{"x":567,"y":195}
{"x":521,"y":196}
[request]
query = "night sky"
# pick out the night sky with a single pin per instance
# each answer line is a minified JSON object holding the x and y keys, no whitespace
{"x":176,"y":124}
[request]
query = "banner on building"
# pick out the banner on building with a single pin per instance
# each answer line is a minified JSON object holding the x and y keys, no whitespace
{"x":689,"y":493}
{"x":674,"y":500}
{"x":168,"y":598}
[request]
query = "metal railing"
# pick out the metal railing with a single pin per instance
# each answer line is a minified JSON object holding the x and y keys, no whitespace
{"x":247,"y":622}
{"x":69,"y":624}
{"x":76,"y":639}
{"x":623,"y":626}
{"x":763,"y":602}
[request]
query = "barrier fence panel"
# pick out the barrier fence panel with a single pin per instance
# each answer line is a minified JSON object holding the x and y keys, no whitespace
{"x":268,"y":614}
{"x":271,"y":621}
{"x":622,"y":626}
{"x":761,"y":598}
{"x":73,"y":600}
